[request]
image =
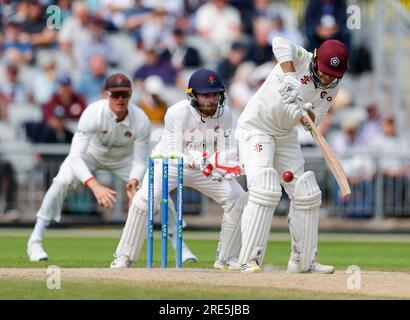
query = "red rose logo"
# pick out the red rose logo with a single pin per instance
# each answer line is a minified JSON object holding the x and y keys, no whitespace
{"x":211,"y":80}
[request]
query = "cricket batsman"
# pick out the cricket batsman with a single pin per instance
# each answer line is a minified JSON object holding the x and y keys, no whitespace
{"x":113,"y":135}
{"x":268,"y":147}
{"x":192,"y":128}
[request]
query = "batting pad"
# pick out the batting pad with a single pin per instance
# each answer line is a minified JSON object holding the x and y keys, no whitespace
{"x":264,"y":196}
{"x":304,"y":220}
{"x":133,"y":234}
{"x":230,"y":236}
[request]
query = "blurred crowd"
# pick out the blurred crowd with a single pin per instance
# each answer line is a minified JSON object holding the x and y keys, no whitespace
{"x":55,"y":56}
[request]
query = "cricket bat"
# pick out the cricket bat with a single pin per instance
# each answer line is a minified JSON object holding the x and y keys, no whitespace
{"x":331,"y":160}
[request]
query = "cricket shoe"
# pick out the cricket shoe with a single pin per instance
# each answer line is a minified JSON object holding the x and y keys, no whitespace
{"x":250,"y":267}
{"x":121,"y":262}
{"x":36,"y":252}
{"x":231,"y":264}
{"x":294,"y":267}
{"x":187,"y":255}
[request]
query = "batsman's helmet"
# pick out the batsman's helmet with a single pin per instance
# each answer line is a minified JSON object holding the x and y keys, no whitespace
{"x":206,"y":81}
{"x":332,"y":58}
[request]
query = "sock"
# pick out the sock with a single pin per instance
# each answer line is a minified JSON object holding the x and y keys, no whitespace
{"x":39,"y":229}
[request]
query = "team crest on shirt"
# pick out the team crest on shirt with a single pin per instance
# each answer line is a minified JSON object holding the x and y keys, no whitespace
{"x":305,"y":80}
{"x":323,"y":95}
{"x":128,"y":134}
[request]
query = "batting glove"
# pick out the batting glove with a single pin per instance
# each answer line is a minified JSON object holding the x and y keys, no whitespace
{"x":289,"y":89}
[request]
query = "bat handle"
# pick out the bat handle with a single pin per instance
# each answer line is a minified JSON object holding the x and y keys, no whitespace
{"x":306,"y":122}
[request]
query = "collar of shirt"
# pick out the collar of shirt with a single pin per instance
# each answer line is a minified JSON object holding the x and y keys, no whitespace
{"x":113,"y":116}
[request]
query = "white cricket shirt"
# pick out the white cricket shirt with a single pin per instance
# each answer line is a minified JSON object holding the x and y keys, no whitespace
{"x":110,"y":142}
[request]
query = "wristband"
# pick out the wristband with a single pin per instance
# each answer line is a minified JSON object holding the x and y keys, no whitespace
{"x":136,"y":181}
{"x":88,"y":181}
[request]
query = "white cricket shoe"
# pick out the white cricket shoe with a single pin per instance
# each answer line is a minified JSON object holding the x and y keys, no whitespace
{"x":187,"y":255}
{"x":36,"y":252}
{"x":231,"y":264}
{"x":121,"y":262}
{"x":251,"y":266}
{"x":294,"y":267}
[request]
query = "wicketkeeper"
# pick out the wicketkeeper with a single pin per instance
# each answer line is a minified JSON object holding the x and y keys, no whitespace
{"x":268,"y":146}
{"x":112,"y":135}
{"x":192,"y":129}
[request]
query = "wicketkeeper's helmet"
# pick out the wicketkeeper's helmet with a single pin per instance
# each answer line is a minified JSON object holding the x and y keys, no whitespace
{"x":206,"y":81}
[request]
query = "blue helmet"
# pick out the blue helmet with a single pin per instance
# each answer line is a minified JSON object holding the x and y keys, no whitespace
{"x":206,"y":81}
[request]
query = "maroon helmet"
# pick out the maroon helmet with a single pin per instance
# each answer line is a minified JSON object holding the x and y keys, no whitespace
{"x":332,"y":58}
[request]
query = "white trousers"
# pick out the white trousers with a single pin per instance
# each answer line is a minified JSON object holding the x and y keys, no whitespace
{"x":225,"y":193}
{"x":259,"y":150}
{"x":66,"y":181}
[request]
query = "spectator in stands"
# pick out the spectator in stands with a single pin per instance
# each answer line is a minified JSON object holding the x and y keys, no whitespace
{"x":155,"y":65}
{"x":157,"y":29}
{"x":181,"y":55}
{"x":73,"y":103}
{"x":65,"y":9}
{"x":151,"y":102}
{"x":95,"y":42}
{"x":8,"y":9}
{"x":54,"y":131}
{"x":134,"y":18}
{"x":15,"y":47}
{"x":326,"y":19}
{"x":114,"y":11}
{"x":74,"y":28}
{"x":174,"y":8}
{"x":261,"y":48}
{"x":228,"y":65}
{"x":45,"y":83}
{"x":219,"y":22}
{"x":280,"y":29}
{"x":240,"y":90}
{"x":270,"y":8}
{"x":395,"y":167}
{"x":372,"y":126}
{"x":358,"y":166}
{"x":8,"y":191}
{"x":13,"y":89}
{"x":92,"y":82}
{"x":35,"y":25}
{"x":4,"y":105}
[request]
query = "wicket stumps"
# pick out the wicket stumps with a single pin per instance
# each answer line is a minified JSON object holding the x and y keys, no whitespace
{"x":164,"y":211}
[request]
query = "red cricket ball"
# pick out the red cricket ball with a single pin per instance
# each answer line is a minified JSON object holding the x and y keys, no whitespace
{"x":287,"y":176}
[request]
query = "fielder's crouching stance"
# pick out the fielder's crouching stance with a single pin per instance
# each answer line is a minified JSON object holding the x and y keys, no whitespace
{"x":112,"y":135}
{"x":268,"y":145}
{"x":190,"y":127}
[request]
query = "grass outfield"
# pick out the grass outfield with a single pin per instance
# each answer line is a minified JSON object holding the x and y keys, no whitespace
{"x":71,"y":249}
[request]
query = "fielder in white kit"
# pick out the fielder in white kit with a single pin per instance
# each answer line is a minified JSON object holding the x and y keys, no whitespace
{"x":112,"y":135}
{"x":191,"y":128}
{"x":268,"y":146}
